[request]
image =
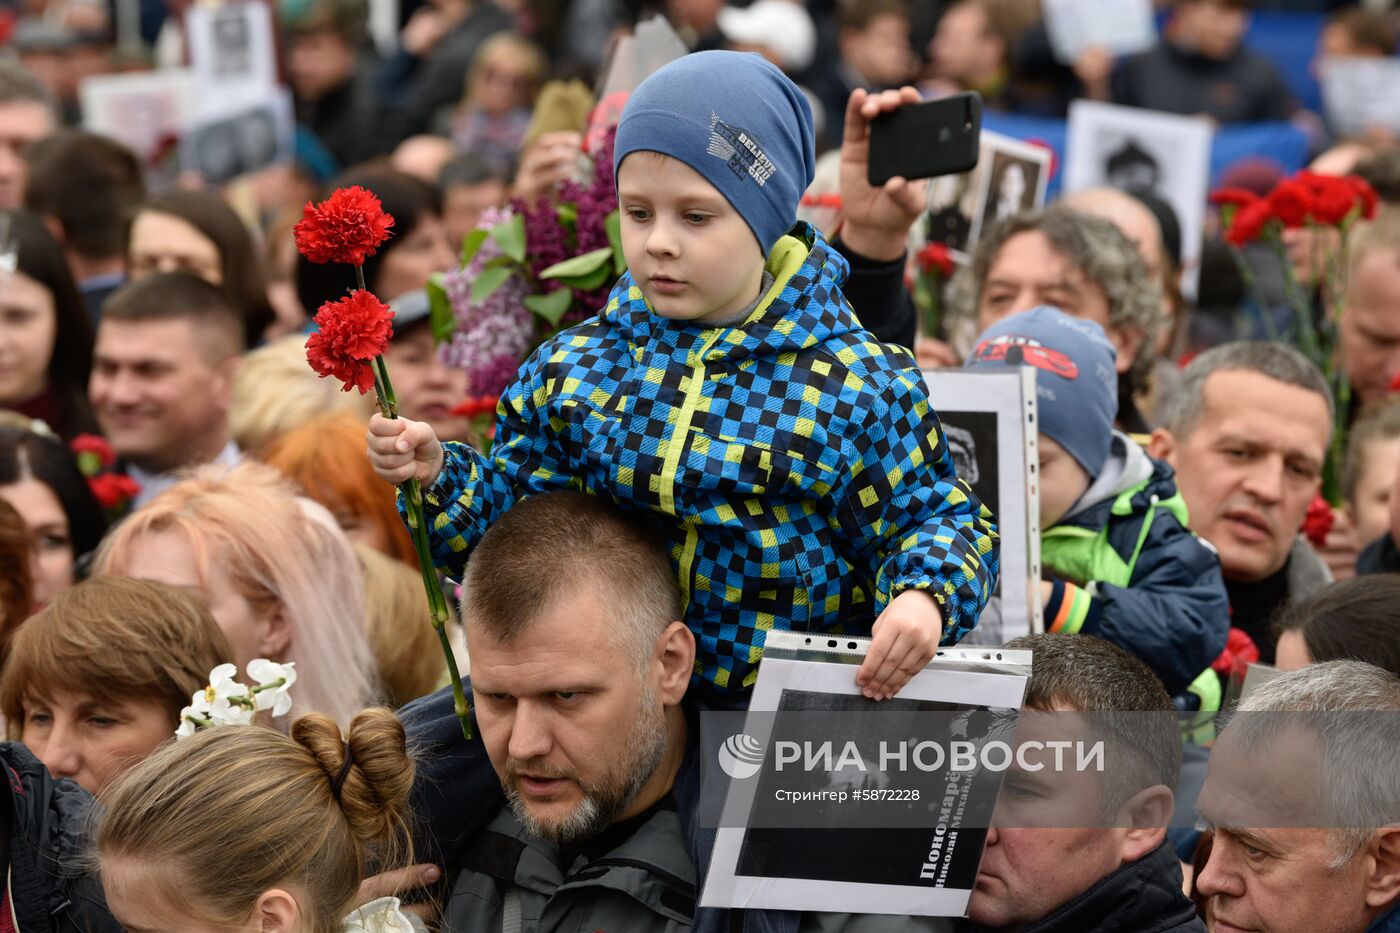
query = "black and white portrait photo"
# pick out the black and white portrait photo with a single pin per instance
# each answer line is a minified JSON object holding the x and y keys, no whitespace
{"x":1143,"y":151}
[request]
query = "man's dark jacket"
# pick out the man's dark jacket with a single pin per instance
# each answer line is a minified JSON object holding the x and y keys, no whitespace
{"x":1142,"y":897}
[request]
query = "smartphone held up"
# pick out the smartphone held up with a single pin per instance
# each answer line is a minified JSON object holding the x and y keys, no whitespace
{"x":927,"y":140}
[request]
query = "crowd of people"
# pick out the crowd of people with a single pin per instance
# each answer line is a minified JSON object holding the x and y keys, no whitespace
{"x":738,"y":440}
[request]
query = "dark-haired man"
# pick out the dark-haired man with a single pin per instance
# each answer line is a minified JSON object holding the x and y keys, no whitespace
{"x":86,"y":187}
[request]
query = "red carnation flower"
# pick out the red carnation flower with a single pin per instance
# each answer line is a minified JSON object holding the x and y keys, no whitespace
{"x":352,"y":332}
{"x":1318,"y":521}
{"x":935,"y":258}
{"x":1365,"y":194}
{"x":113,"y":489}
{"x":93,"y":453}
{"x":1239,"y":197}
{"x":1334,"y":204}
{"x":1249,"y":222}
{"x":346,"y":227}
{"x":1240,"y":652}
{"x":1292,"y":203}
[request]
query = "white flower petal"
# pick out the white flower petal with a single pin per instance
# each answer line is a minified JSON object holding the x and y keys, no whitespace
{"x":224,"y":672}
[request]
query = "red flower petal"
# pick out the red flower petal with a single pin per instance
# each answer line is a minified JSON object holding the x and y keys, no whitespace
{"x":97,"y":446}
{"x":351,"y":333}
{"x":1318,"y":521}
{"x":113,"y":489}
{"x":347,"y":227}
{"x":1292,"y":203}
{"x":935,"y":257}
{"x":1249,"y":222}
{"x":1240,"y":197}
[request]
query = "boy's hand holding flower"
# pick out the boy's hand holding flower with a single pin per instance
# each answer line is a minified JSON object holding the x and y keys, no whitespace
{"x":400,"y":450}
{"x":906,"y":638}
{"x":351,"y":336}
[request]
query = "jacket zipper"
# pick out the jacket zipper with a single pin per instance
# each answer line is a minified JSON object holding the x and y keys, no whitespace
{"x":693,"y":393}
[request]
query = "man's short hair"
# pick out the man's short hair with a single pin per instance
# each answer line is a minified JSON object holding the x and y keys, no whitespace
{"x":1379,"y":235}
{"x":170,"y":296}
{"x":1382,"y":171}
{"x":1125,"y":703}
{"x":347,"y":19}
{"x":1370,"y":30}
{"x":466,"y":168}
{"x":1353,"y":709}
{"x":1093,"y":245}
{"x":1278,"y":361}
{"x":857,"y":15}
{"x":551,"y":546}
{"x":19,"y":85}
{"x":90,"y":184}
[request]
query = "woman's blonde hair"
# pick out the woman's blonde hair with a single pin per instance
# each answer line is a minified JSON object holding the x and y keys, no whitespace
{"x":275,"y":390}
{"x":219,"y":818}
{"x":279,"y":557}
{"x":114,"y":636}
{"x":411,"y":664}
{"x":326,"y":457}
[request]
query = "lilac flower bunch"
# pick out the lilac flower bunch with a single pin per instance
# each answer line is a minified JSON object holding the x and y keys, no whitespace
{"x":528,"y":271}
{"x":491,"y":336}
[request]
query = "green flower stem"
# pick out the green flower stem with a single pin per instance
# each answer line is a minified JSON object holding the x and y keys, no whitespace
{"x":1251,"y":285}
{"x":1297,"y":299}
{"x":418,"y":530}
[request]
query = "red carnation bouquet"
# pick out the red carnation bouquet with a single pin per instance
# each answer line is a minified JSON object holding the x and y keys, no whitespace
{"x":351,"y":336}
{"x":1328,"y":209}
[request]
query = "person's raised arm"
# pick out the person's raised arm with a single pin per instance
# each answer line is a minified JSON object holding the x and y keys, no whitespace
{"x":875,"y":222}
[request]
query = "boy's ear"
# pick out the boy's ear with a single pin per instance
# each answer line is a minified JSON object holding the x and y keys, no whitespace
{"x":1162,"y":446}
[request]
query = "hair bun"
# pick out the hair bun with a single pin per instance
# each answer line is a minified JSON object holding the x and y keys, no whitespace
{"x":374,"y":779}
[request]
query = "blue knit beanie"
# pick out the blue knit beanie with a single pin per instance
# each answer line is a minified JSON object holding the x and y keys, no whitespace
{"x":1076,"y":381}
{"x":739,"y":122}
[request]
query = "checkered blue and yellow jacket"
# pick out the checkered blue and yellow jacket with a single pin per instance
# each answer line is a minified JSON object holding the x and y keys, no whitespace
{"x":796,"y":466}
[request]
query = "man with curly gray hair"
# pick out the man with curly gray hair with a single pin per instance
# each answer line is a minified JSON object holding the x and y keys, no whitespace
{"x":1073,"y":261}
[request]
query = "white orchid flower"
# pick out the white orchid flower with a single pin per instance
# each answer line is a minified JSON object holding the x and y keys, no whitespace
{"x":274,"y":680}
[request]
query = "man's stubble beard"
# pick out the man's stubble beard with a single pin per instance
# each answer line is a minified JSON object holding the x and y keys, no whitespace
{"x":604,"y":800}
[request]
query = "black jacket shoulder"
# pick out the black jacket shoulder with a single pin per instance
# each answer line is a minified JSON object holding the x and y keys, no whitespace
{"x":49,"y":823}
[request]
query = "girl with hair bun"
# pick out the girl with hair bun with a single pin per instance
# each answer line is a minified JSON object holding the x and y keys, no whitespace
{"x":244,"y":828}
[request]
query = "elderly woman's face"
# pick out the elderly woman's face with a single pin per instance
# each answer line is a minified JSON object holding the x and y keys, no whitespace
{"x":91,"y":739}
{"x":166,"y":557}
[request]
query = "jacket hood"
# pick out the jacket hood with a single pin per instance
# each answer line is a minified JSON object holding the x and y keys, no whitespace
{"x":803,"y":308}
{"x":1127,"y":467}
